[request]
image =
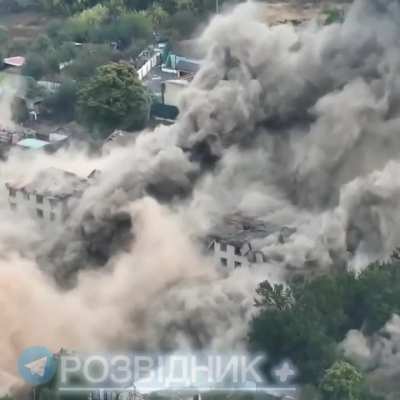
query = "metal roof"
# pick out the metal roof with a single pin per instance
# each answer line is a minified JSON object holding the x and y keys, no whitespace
{"x":32,"y":143}
{"x":15,"y":61}
{"x":187,"y":65}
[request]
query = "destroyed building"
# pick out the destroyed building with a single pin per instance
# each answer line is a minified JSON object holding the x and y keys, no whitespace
{"x":118,"y":138}
{"x":232,"y":241}
{"x":47,"y":196}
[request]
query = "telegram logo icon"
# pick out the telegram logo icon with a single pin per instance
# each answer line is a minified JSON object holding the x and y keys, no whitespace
{"x":37,"y":365}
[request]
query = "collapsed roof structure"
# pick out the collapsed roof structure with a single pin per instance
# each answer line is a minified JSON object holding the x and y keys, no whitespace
{"x":237,"y":229}
{"x":233,"y":240}
{"x":53,"y":182}
{"x":47,"y":196}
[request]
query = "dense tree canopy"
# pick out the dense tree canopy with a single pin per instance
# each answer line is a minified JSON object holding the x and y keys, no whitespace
{"x":85,"y":64}
{"x":34,"y":67}
{"x":61,"y":103}
{"x":305,"y":322}
{"x":114,"y":98}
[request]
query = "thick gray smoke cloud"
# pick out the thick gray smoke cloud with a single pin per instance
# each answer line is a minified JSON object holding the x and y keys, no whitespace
{"x":295,"y":126}
{"x":378,"y":356}
{"x":301,"y":113}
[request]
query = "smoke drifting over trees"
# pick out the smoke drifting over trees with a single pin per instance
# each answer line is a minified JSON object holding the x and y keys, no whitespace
{"x":300,"y":127}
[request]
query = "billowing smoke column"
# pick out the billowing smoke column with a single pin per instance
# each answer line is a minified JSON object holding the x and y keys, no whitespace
{"x":296,"y":116}
{"x":298,"y":127}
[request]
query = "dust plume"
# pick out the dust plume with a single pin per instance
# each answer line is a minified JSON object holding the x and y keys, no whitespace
{"x":294,"y":126}
{"x":127,"y":305}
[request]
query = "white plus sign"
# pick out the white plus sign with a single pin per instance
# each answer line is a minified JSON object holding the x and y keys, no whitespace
{"x":284,"y":372}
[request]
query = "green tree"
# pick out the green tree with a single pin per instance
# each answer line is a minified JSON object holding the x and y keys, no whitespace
{"x":333,"y":16}
{"x":17,"y":47}
{"x":32,"y":89}
{"x":67,"y":7}
{"x":273,"y":296}
{"x":42,"y":44}
{"x":304,"y":322}
{"x":61,"y":104}
{"x":54,"y":6}
{"x":332,"y":300}
{"x":136,"y":24}
{"x":128,"y":28}
{"x":307,"y":325}
{"x":116,"y":8}
{"x":139,"y":5}
{"x":84,"y":66}
{"x":158,"y":16}
{"x":4,"y":38}
{"x":290,"y":334}
{"x":17,"y":5}
{"x":34,"y":66}
{"x":185,"y":5}
{"x":66,"y":52}
{"x":114,"y":98}
{"x":51,"y":61}
{"x":92,"y":16}
{"x":205,"y":7}
{"x":135,"y":48}
{"x":170,"y":6}
{"x":183,"y":23}
{"x":379,"y":295}
{"x":342,"y":381}
{"x":56,"y":31}
{"x":80,"y":25}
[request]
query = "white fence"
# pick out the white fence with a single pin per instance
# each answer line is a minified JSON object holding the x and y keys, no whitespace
{"x":50,"y":86}
{"x":147,"y":67}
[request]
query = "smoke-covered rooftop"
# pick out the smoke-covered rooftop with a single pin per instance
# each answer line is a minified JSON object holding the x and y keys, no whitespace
{"x":238,"y":229}
{"x":52,"y":182}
